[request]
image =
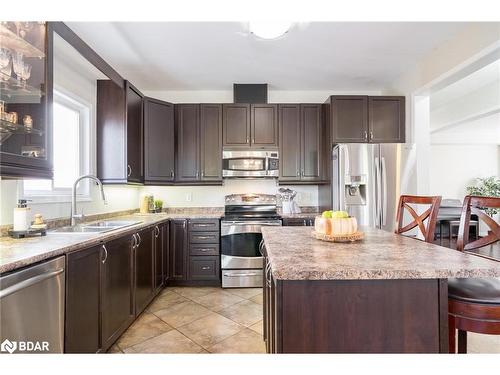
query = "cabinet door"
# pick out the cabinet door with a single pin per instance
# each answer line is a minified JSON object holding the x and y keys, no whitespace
{"x":349,"y":115}
{"x":159,"y":142}
{"x":187,"y":140}
{"x":27,"y":151}
{"x":134,"y":134}
{"x":158,"y":257}
{"x":312,"y":133}
{"x":144,"y":270}
{"x":211,"y":142}
{"x":117,"y":309}
{"x":178,"y":249}
{"x":82,"y":301}
{"x":236,"y":125}
{"x":289,"y":140}
{"x":386,"y":119}
{"x":264,"y":125}
{"x":165,"y":234}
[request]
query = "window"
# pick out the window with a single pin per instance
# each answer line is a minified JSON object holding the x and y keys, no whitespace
{"x":71,"y":149}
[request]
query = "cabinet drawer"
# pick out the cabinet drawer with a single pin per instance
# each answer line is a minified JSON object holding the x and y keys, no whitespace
{"x":204,"y":249}
{"x":204,"y":225}
{"x":204,"y":268}
{"x":204,"y":237}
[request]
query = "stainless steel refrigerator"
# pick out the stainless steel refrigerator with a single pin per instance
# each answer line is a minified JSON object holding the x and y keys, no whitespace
{"x":365,"y":183}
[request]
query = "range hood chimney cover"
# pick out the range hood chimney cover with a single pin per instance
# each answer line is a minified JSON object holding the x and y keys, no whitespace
{"x":250,"y":93}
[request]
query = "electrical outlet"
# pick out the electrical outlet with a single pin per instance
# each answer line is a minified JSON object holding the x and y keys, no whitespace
{"x":189,"y":197}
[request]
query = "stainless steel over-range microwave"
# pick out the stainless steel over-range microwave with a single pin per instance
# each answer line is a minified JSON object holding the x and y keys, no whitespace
{"x":250,"y":164}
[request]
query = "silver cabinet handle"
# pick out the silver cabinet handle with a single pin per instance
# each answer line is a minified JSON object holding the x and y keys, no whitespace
{"x":140,"y":239}
{"x":248,"y":140}
{"x":371,"y":136}
{"x":202,"y":225}
{"x":105,"y":254}
{"x":204,"y":250}
{"x":129,"y":170}
{"x":202,"y":174}
{"x":157,"y":231}
{"x":29,"y":282}
{"x":134,"y":243}
{"x":366,"y":135}
{"x":204,"y":237}
{"x":205,"y":268}
{"x":298,"y":173}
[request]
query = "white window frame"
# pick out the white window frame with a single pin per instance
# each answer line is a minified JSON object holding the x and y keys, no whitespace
{"x":86,"y":147}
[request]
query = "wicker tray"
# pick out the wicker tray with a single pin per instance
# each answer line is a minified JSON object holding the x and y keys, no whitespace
{"x":356,"y":236}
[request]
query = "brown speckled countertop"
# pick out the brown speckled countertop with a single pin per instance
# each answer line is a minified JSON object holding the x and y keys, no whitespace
{"x":17,"y":253}
{"x":295,"y":255}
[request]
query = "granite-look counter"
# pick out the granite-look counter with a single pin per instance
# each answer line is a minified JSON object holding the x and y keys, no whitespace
{"x":295,"y":255}
{"x":17,"y":253}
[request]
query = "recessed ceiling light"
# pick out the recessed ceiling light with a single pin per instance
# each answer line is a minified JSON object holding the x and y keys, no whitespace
{"x":269,"y":29}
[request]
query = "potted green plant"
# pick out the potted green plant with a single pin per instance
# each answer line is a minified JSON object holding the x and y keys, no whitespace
{"x":486,"y":187}
{"x":158,"y":205}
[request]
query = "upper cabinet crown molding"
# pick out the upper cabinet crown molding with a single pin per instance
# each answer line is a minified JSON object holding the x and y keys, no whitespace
{"x":367,"y":119}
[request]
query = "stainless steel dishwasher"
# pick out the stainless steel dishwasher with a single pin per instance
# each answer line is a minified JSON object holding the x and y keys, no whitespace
{"x":32,"y":309}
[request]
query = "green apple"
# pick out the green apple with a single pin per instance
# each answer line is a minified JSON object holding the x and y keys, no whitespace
{"x":340,"y":215}
{"x":327,"y":214}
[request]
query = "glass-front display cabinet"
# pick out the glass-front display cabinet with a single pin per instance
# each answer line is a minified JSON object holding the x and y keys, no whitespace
{"x":25,"y":100}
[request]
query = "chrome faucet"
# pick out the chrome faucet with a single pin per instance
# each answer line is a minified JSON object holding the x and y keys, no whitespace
{"x":74,"y":215}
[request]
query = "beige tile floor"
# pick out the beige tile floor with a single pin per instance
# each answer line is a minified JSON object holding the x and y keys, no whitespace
{"x":197,"y":320}
{"x":215,"y":320}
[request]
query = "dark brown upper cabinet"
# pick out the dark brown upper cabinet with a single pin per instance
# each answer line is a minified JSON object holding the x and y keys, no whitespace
{"x":264,"y":129}
{"x":211,"y":142}
{"x":250,"y":126}
{"x":349,"y":116}
{"x":301,"y":132}
{"x":198,"y":143}
{"x":119,"y":133}
{"x":386,"y":119}
{"x":364,"y":119}
{"x":26,"y":148}
{"x":159,"y":142}
{"x":236,"y":125}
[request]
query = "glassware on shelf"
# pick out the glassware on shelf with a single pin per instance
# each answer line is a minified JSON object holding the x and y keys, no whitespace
{"x":25,"y":74}
{"x":6,"y":72}
{"x":28,"y":121}
{"x":4,"y":57}
{"x":18,"y":65}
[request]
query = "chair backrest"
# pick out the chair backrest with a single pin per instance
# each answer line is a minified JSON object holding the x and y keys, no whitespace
{"x":418,"y":220}
{"x":475,"y":205}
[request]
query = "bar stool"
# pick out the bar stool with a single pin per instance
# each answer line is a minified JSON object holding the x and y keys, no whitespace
{"x":474,"y":304}
{"x":418,"y":220}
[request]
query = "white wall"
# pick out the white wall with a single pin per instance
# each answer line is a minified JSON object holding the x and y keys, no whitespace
{"x":213,"y":196}
{"x":454,"y":167}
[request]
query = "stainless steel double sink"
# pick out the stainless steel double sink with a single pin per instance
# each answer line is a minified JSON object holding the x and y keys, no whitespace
{"x":97,"y":227}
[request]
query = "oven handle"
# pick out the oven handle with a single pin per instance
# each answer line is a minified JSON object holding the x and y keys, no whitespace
{"x":241,"y":274}
{"x":262,"y":223}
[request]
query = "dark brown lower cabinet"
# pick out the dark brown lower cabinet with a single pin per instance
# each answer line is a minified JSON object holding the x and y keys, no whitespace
{"x":83,"y":284}
{"x":204,"y":268}
{"x":117,"y":308}
{"x":178,"y":249}
{"x":144,"y":269}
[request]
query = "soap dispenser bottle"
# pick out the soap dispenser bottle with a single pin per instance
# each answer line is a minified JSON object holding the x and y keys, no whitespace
{"x":21,"y":216}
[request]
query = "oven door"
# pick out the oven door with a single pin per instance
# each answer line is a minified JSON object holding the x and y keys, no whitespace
{"x":240,"y":243}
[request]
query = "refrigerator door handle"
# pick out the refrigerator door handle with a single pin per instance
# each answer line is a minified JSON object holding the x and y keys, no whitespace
{"x":384,"y":191}
{"x":343,"y":165}
{"x":377,"y":192}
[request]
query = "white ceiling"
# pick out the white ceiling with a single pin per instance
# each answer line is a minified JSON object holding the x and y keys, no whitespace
{"x":212,"y":56}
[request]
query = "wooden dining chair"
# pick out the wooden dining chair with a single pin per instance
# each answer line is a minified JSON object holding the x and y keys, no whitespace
{"x":474,"y":304}
{"x":418,"y":219}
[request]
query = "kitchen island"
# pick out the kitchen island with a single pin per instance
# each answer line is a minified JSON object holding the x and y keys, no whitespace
{"x":385,"y":294}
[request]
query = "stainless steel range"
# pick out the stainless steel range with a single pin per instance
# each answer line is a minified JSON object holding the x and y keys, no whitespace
{"x":244,"y":216}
